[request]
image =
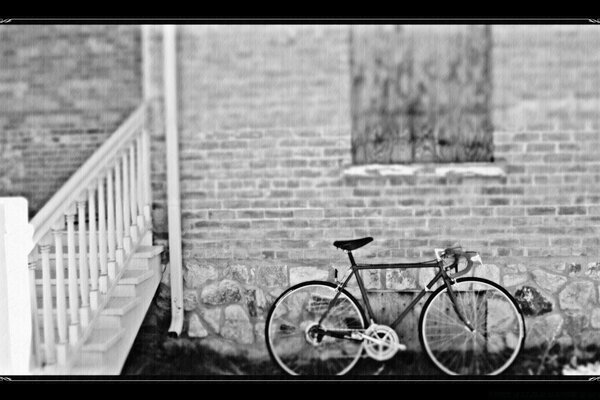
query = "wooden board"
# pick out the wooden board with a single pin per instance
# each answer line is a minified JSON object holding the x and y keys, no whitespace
{"x":421,"y":94}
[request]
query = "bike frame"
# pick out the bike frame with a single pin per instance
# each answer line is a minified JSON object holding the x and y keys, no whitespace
{"x":356,"y":268}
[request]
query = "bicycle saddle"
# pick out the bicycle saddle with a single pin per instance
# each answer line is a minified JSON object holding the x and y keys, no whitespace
{"x":354,"y":244}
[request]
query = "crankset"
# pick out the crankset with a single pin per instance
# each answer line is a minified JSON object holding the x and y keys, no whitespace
{"x":381,"y":342}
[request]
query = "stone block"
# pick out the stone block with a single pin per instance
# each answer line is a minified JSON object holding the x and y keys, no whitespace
{"x":236,"y":325}
{"x":195,"y":327}
{"x":272,"y":275}
{"x":532,"y":302}
{"x":577,"y":295}
{"x":197,"y":274}
{"x":548,"y":281}
{"x":400,"y":279}
{"x":226,"y":291}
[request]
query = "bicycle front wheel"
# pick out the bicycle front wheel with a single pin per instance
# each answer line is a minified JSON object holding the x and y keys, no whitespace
{"x":292,"y":330}
{"x":497,"y":337}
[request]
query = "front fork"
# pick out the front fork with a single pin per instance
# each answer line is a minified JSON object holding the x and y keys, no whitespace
{"x":449,"y":282}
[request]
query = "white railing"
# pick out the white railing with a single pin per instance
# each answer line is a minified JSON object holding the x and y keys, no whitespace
{"x":102,"y":214}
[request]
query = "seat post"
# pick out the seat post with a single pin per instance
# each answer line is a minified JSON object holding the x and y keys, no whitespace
{"x":351,"y":258}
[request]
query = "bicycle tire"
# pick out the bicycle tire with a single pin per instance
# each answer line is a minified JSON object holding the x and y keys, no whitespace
{"x":278,"y":304}
{"x":450,"y":314}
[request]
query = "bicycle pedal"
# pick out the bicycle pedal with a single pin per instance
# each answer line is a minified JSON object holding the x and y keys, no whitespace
{"x":401,"y":347}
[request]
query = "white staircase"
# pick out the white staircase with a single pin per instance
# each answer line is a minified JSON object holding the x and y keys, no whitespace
{"x":114,"y":330}
{"x":93,"y":268}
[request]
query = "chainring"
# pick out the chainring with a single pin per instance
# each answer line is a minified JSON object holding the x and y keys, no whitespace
{"x":386,"y":345}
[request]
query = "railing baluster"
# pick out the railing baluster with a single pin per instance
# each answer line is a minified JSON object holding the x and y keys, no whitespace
{"x":141,"y":221}
{"x":126,"y":210}
{"x":73,"y":295}
{"x":112,"y":265}
{"x":35,"y":321}
{"x":84,"y":276}
{"x":119,"y":216}
{"x":49,"y":339}
{"x":96,"y":282}
{"x":102,"y":233}
{"x":132,"y":194}
{"x":147,"y":177}
{"x":61,"y":295}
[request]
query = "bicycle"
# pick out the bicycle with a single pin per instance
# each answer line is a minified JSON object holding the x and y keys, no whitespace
{"x":467,"y":326}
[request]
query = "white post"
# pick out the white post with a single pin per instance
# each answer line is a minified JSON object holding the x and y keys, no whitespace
{"x":119,"y":253}
{"x":96,"y":283}
{"x":126,"y":207}
{"x":146,"y":150}
{"x":35,"y":321}
{"x":72,"y":278}
{"x":15,"y":297}
{"x":141,"y":221}
{"x":104,"y":270}
{"x":49,"y":338}
{"x":173,"y":193}
{"x":61,"y":296}
{"x":84,"y":273}
{"x":110,"y":209}
{"x":132,"y":194}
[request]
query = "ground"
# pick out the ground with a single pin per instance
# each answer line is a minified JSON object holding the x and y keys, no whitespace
{"x":154,"y":353}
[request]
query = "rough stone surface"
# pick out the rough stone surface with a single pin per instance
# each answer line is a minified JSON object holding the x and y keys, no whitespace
{"x":532,"y":302}
{"x":259,"y":333}
{"x":595,"y":318}
{"x":195,"y":327}
{"x":547,"y":281}
{"x":593,"y":270}
{"x":576,"y":322}
{"x":303,"y":274}
{"x":197,"y":274}
{"x":256,"y":301}
{"x":590,"y":339}
{"x":212,"y":316}
{"x":514,"y":279}
{"x":514,"y":268}
{"x":272,"y":275}
{"x":190,"y":299}
{"x":573,"y":269}
{"x":238,"y":273}
{"x":577,"y":295}
{"x":400,"y":279}
{"x":236,"y":325}
{"x":425,"y":276}
{"x":225,"y":291}
{"x":371,"y":279}
{"x":487,"y":271}
{"x":541,"y":330}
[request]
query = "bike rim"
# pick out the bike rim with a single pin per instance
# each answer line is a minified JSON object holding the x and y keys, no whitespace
{"x":308,"y":352}
{"x":498,"y":336}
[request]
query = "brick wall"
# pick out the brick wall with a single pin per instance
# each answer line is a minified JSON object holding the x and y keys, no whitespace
{"x":63,"y":90}
{"x":266,"y":183}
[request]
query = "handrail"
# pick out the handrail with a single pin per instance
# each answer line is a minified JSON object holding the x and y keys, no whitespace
{"x":109,"y":232}
{"x":85,"y":175}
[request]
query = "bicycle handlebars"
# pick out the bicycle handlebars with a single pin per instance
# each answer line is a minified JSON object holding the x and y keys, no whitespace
{"x":457,"y":252}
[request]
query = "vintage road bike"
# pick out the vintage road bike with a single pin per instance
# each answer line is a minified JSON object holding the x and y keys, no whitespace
{"x":467,"y":326}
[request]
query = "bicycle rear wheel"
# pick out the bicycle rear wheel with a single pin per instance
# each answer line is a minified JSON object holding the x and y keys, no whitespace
{"x":291,"y":330}
{"x":499,"y":328}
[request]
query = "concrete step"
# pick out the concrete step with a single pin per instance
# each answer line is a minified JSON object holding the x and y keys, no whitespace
{"x":102,"y":339}
{"x":114,"y":330}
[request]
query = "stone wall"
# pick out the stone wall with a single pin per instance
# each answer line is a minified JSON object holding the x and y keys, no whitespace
{"x":63,"y":91}
{"x":268,"y":185}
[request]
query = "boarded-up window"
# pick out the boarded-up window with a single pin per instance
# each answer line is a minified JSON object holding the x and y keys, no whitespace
{"x":421,"y":94}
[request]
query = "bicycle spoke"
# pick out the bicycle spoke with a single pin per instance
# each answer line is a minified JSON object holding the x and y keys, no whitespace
{"x":493,"y":344}
{"x":313,"y":354}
